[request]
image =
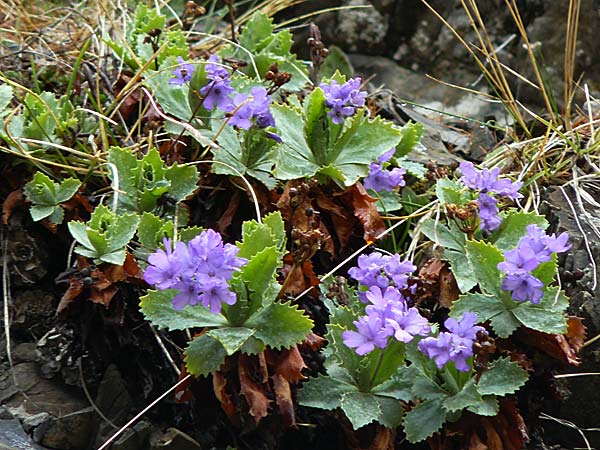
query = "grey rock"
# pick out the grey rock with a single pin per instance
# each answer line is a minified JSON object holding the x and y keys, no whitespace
{"x":173,"y":439}
{"x":12,"y":437}
{"x":135,"y":438}
{"x":25,"y":352}
{"x":69,"y":432}
{"x":30,"y":423}
{"x":362,"y":29}
{"x":115,"y":403}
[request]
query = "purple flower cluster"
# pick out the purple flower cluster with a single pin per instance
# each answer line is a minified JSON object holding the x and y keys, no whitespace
{"x":487,"y":182}
{"x":455,"y":345}
{"x":183,"y":73}
{"x":343,"y":99}
{"x":533,"y":249}
{"x":199,"y":270}
{"x":245,"y":110}
{"x":387,"y":311}
{"x":384,"y":180}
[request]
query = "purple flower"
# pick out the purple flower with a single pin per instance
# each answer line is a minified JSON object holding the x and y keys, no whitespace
{"x":371,"y":333}
{"x":466,"y":327}
{"x":368,"y":272}
{"x":523,"y":286}
{"x":256,"y":107}
{"x":216,"y":93}
{"x":407,"y":324}
{"x":487,"y":181}
{"x":343,"y":99}
{"x":164,"y":267}
{"x":215,"y":70}
{"x":183,"y":73}
{"x":387,"y":155}
{"x":437,"y":348}
{"x":455,"y":345}
{"x":399,"y":270}
{"x":214,"y":293}
{"x":521,"y":259}
{"x":488,"y":213}
{"x":199,"y":270}
{"x":384,"y":180}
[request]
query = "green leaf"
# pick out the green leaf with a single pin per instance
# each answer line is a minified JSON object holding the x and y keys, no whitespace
{"x":399,"y":386}
{"x":468,"y":396}
{"x":361,"y":142}
{"x":316,"y":126}
{"x":391,"y":413}
{"x":6,"y":95}
{"x":280,"y":325}
{"x":425,"y":388}
{"x":257,"y":30}
{"x":39,"y":212}
{"x":293,"y":157}
{"x":548,"y":316}
{"x":256,"y":237}
{"x":360,"y":408}
{"x":204,"y":355}
{"x":448,"y":237}
{"x":466,"y":276}
{"x":46,"y":196}
{"x":275,"y":223}
{"x":488,"y":307}
{"x":324,"y":392}
{"x":116,"y":257}
{"x":514,"y":227}
{"x":248,"y":152}
{"x":502,"y":378}
{"x":451,"y":192}
{"x":386,"y":366}
{"x":259,"y":275}
{"x":411,"y":135}
{"x":487,"y":407}
{"x":339,"y":353}
{"x":152,"y":229}
{"x":231,"y":338}
{"x":485,"y":258}
{"x":423,"y":420}
{"x":157,"y":307}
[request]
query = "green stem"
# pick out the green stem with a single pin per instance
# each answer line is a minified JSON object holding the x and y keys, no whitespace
{"x":376,"y":369}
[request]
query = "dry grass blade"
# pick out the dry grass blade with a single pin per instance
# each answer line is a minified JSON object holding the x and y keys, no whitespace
{"x":570,"y":55}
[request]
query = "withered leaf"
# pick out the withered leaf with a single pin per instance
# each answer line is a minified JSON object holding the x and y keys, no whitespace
{"x":554,"y":345}
{"x":283,"y":398}
{"x":254,"y":392}
{"x":220,"y":388}
{"x":229,"y":213}
{"x":576,"y":333}
{"x":12,"y":201}
{"x":287,"y":362}
{"x":366,"y":212}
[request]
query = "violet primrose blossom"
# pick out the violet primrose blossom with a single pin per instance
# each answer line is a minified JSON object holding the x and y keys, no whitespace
{"x":199,"y":270}
{"x":257,"y":108}
{"x":456,"y":344}
{"x":343,"y":99}
{"x":487,"y":182}
{"x":216,"y":92}
{"x":183,"y":73}
{"x":534,"y":248}
{"x":387,"y":311}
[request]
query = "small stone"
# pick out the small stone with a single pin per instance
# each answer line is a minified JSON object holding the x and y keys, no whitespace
{"x":69,"y":432}
{"x":30,"y":423}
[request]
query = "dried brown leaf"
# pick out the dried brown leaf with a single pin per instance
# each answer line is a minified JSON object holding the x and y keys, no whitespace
{"x":253,"y":391}
{"x":366,"y":212}
{"x":220,"y":388}
{"x":13,"y":200}
{"x":576,"y":333}
{"x":283,"y":398}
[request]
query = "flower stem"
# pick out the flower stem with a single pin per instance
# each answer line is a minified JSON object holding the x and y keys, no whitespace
{"x":377,"y":367}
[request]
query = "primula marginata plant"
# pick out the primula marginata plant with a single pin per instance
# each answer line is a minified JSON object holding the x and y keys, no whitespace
{"x":229,"y":290}
{"x":383,"y":356}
